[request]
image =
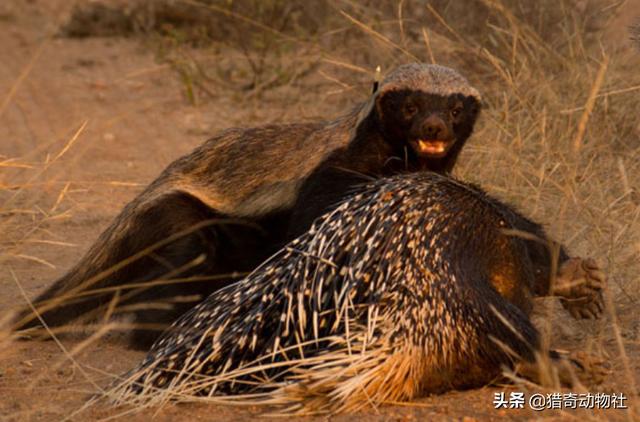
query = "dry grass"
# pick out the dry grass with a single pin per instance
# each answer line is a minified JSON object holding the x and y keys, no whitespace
{"x":559,"y":134}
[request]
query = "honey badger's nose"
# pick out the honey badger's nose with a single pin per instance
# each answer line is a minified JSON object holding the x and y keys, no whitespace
{"x":434,"y":128}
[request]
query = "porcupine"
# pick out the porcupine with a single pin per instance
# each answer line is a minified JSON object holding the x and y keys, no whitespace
{"x":415,"y":284}
{"x":231,"y":203}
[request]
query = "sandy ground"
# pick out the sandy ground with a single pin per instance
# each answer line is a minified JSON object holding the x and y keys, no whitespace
{"x":131,"y":120}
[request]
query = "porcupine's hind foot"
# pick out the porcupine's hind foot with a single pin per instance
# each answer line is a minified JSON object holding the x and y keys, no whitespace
{"x":579,"y":284}
{"x":562,"y":368}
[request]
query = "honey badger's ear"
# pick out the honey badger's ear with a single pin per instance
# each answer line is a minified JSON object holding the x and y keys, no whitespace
{"x":477,"y":103}
{"x":480,"y":104}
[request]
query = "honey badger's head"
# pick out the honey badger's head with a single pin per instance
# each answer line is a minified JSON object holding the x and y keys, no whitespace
{"x":427,"y":112}
{"x":430,"y":124}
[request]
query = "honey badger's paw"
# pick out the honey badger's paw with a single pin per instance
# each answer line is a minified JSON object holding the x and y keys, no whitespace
{"x":579,"y":285}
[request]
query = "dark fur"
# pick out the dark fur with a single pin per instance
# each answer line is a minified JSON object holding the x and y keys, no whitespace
{"x":258,"y":188}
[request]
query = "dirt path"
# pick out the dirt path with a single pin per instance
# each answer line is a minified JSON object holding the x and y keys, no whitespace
{"x":131,"y":120}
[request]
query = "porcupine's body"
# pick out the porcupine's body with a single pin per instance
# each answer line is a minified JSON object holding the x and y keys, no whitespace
{"x":409,"y":287}
{"x":239,"y":197}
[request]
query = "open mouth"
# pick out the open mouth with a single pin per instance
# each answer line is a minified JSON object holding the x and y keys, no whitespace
{"x":431,"y":147}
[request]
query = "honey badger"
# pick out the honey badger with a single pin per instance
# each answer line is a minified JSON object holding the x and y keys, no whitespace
{"x":237,"y":198}
{"x":416,"y":284}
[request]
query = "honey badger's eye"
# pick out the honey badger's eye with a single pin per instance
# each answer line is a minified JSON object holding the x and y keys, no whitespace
{"x":409,"y":110}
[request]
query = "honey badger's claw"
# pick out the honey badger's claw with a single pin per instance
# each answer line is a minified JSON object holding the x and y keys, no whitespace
{"x":595,"y":277}
{"x":579,"y":285}
{"x":585,"y":308}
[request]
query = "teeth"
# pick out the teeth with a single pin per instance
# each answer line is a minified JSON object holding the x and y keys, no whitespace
{"x":431,"y":147}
